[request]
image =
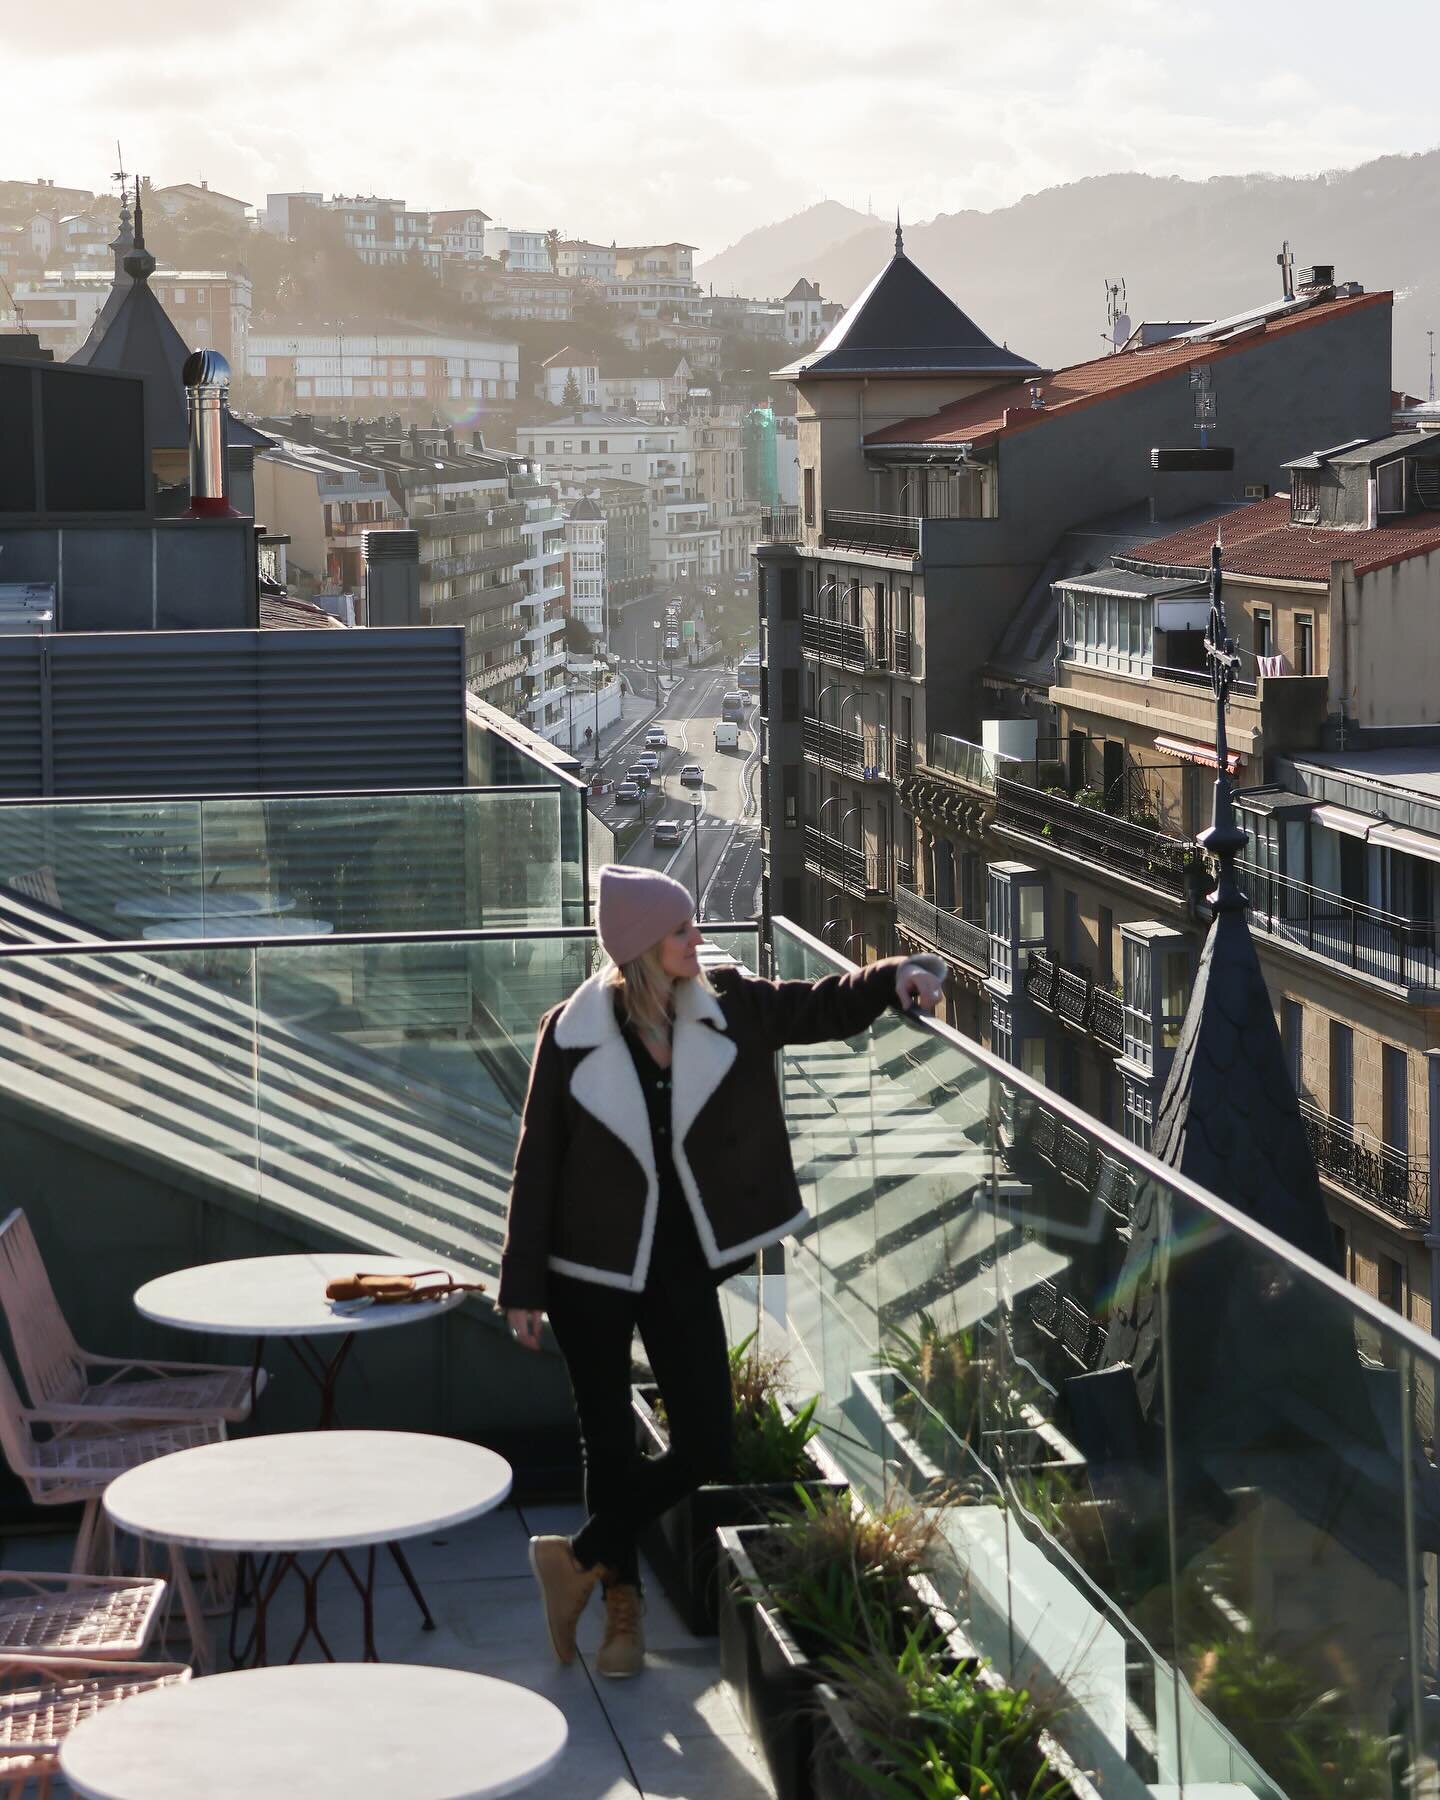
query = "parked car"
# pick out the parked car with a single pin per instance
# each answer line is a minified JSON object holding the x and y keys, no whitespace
{"x":628,"y":790}
{"x":648,"y":759}
{"x":640,"y":775}
{"x":667,"y":831}
{"x":692,"y":775}
{"x":655,"y":739}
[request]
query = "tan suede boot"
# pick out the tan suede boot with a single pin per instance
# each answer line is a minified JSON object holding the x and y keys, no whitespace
{"x":622,"y":1649}
{"x":565,"y":1590}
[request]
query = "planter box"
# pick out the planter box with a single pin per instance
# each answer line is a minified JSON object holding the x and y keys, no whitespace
{"x":680,"y":1545}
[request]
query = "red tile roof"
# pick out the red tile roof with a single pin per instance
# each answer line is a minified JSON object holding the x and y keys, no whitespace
{"x":1260,"y":540}
{"x":982,"y":418}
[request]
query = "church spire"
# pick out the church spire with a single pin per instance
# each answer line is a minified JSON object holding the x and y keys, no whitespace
{"x":139,"y":263}
{"x":899,"y":235}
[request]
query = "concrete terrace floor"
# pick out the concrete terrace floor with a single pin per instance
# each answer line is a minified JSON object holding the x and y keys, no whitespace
{"x":671,"y":1733}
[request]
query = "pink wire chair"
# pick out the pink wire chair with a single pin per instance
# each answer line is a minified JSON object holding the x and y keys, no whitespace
{"x":58,"y":1374}
{"x":43,"y":1699}
{"x":105,"y":1618}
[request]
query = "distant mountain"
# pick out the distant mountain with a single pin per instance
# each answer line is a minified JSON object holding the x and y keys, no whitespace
{"x":1033,"y":274}
{"x":768,"y":262}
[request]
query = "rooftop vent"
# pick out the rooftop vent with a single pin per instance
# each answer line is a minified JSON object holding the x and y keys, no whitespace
{"x":206,"y":375}
{"x":1316,"y":278}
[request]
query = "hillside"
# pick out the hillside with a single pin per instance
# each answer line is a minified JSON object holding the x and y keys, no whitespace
{"x":1034,"y":274}
{"x":769,"y":261}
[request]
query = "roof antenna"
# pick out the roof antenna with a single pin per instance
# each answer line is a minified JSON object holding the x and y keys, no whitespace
{"x":1431,"y":336}
{"x":899,"y":235}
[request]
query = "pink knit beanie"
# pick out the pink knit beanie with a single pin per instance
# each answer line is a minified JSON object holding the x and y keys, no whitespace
{"x":638,"y":907}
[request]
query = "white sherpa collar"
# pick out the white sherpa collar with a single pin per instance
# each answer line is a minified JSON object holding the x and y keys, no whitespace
{"x":588,"y":1020}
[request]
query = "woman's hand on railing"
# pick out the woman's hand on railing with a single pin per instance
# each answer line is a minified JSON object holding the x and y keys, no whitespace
{"x":917,"y":988}
{"x":525,"y":1322}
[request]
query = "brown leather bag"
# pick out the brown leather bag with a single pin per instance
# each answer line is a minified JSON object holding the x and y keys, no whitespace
{"x":399,"y":1290}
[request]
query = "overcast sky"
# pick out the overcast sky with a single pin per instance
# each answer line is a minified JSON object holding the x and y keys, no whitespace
{"x":653,"y":119}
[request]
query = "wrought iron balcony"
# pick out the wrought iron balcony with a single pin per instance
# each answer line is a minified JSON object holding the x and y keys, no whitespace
{"x":1398,"y":1184}
{"x":1107,"y":1018}
{"x":851,"y":869}
{"x":905,"y":654}
{"x":781,"y":525}
{"x":891,"y":534}
{"x":831,"y":743}
{"x":1072,"y":997}
{"x":1040,"y":973}
{"x":847,"y":645}
{"x":963,"y":941}
{"x":1125,"y":849}
{"x":1380,"y":944}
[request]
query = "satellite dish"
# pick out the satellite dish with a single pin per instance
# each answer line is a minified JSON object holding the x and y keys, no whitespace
{"x":1120,"y":331}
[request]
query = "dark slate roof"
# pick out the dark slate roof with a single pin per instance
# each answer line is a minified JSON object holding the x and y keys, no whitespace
{"x":586,"y":509}
{"x":904,"y":325}
{"x":139,"y":338}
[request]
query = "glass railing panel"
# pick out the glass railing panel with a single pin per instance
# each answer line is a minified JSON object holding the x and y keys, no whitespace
{"x":152,"y":1053}
{"x":392,"y":1076}
{"x":741,"y":944}
{"x":1298,"y":1432}
{"x":292,"y":865}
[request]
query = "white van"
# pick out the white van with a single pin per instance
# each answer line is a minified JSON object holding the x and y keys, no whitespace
{"x":727,"y":735}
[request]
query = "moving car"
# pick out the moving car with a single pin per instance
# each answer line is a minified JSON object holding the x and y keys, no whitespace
{"x":648,"y":759}
{"x":640,"y":775}
{"x":727,"y":735}
{"x":734,"y":705}
{"x":692,"y":775}
{"x":667,"y":831}
{"x":655,"y":739}
{"x":627,"y":790}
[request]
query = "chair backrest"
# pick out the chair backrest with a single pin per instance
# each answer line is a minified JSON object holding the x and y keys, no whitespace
{"x":51,"y":1365}
{"x":16,"y":1441}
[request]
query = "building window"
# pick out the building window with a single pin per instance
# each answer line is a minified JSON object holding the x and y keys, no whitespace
{"x":809,"y":475}
{"x":1304,"y":498}
{"x":1108,"y":631}
{"x":1342,"y":1073}
{"x":1292,"y":1036}
{"x":1136,"y":1009}
{"x":1395,"y":1085}
{"x":1264,"y":628}
{"x":1304,"y":643}
{"x":1107,"y":957}
{"x":1390,"y":488}
{"x":1391,"y":1283}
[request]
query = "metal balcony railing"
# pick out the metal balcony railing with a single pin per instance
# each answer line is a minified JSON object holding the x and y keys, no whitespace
{"x":964,"y":941}
{"x":856,"y":871}
{"x":891,"y":534}
{"x":956,"y":756}
{"x":1197,"y":678}
{"x":1040,"y":974}
{"x":904,"y":653}
{"x":831,"y":744}
{"x":1398,"y":1184}
{"x":1126,"y":849}
{"x":1072,"y":997}
{"x":848,"y":645}
{"x":781,"y":525}
{"x":473,"y":562}
{"x":1107,"y":1018}
{"x":1380,"y":944}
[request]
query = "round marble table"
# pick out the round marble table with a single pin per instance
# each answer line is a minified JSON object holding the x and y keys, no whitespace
{"x":313,"y":1494}
{"x":194,"y":904}
{"x":262,"y":1297}
{"x":344,"y":1731}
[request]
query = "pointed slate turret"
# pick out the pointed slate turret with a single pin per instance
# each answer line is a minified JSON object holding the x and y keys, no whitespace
{"x":120,"y":247}
{"x":140,"y":339}
{"x":904,"y":325}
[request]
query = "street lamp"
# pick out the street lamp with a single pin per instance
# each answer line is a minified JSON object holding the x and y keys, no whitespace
{"x":656,"y":624}
{"x":695,"y":832}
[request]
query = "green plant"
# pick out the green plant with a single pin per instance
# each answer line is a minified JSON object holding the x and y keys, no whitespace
{"x":841,"y":1574}
{"x":1093,"y":797}
{"x":938,"y":1733}
{"x":770,"y":1438}
{"x":1295,"y":1730}
{"x":944,"y":1380}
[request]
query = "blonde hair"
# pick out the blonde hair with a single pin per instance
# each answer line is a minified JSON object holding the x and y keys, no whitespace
{"x":645,"y":990}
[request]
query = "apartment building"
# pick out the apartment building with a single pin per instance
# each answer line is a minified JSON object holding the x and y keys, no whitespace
{"x":739,"y":316}
{"x":655,"y":281}
{"x":460,"y":232}
{"x":618,"y":382}
{"x":718,"y":452}
{"x":625,"y":507}
{"x":416,"y":373}
{"x":521,"y":252}
{"x":508,"y":293}
{"x":808,"y":314}
{"x":209,"y":308}
{"x":581,"y":261}
{"x":323,"y":501}
{"x":198,"y":197}
{"x":585,"y":580}
{"x":691,"y":535}
{"x":945,"y":483}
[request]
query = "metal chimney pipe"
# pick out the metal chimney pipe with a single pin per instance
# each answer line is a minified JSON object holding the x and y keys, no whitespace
{"x":392,"y":577}
{"x":206,"y":375}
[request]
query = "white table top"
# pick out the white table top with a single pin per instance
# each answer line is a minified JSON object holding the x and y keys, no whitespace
{"x":284,"y":1296}
{"x":308,"y":1490}
{"x":330,"y":1731}
{"x":194,"y":903}
{"x":238,"y":925}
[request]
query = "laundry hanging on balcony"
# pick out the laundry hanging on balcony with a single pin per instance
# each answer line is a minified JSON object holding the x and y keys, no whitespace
{"x":1184,"y":751}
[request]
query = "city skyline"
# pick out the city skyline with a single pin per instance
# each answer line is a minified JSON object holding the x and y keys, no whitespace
{"x":646,"y":126}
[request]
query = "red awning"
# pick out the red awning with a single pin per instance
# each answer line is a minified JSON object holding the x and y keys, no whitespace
{"x":1184,"y":751}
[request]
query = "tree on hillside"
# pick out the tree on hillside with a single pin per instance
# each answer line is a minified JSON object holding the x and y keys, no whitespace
{"x":552,"y":247}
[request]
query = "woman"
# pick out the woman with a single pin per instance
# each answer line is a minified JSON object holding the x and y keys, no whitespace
{"x":653,"y":1159}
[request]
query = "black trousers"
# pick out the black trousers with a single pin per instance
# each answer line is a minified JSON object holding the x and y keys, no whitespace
{"x":680,"y":1323}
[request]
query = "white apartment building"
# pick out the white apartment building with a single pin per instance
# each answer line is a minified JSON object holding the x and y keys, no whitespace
{"x":414,"y":370}
{"x":621,"y":383}
{"x":586,"y":262}
{"x":655,"y":281}
{"x":692,"y":537}
{"x":808,"y":314}
{"x":380,"y":231}
{"x":523,"y":252}
{"x":460,"y":233}
{"x":585,"y":533}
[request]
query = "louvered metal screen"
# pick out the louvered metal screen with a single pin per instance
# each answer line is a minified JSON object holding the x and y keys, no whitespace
{"x":231,"y":711}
